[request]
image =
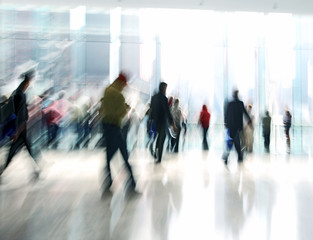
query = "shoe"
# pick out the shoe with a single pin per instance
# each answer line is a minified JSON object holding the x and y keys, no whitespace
{"x":153,"y":153}
{"x":105,"y":188}
{"x":106,"y":194}
{"x":106,"y":185}
{"x":225,"y":159}
{"x":133,"y":194}
{"x":130,"y":185}
{"x":36,"y":174}
{"x":130,"y":189}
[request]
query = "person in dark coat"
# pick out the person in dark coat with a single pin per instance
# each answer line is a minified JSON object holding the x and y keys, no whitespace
{"x":287,"y":126}
{"x":161,"y":116}
{"x":20,"y":137}
{"x":266,"y":125}
{"x":234,"y":123}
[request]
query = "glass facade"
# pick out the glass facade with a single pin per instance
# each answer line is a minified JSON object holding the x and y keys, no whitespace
{"x":202,"y":55}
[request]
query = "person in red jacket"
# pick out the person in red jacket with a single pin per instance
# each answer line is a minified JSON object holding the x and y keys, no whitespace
{"x":204,"y":121}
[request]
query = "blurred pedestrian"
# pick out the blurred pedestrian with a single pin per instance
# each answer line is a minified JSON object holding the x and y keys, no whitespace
{"x":178,"y":120}
{"x":169,"y":134}
{"x":249,"y":131}
{"x":113,"y":110}
{"x":204,"y":121}
{"x":234,"y":123}
{"x":55,"y":115}
{"x":184,"y":130}
{"x":161,"y":116}
{"x":20,"y":137}
{"x":287,"y":126}
{"x":151,"y":132}
{"x":266,"y":125}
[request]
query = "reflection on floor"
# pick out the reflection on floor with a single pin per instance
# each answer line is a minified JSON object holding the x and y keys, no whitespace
{"x":191,"y":195}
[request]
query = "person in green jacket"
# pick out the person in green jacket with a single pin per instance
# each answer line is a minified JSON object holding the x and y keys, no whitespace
{"x":113,"y":109}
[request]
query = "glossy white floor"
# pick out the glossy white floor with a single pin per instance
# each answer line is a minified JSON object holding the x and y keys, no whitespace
{"x":191,"y":195}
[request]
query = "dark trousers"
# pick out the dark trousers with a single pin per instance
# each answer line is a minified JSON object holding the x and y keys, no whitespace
{"x":267,"y":141}
{"x":236,"y":140}
{"x":161,"y":130}
{"x":17,"y":145}
{"x":287,"y":136}
{"x":83,"y":133}
{"x":205,"y":144}
{"x":114,"y":141}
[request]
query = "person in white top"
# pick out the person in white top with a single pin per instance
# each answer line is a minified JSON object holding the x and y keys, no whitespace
{"x":178,"y":119}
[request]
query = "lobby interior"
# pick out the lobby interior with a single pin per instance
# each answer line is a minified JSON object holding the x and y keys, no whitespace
{"x":203,"y":50}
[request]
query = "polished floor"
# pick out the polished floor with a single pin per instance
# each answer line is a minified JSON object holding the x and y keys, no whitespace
{"x":190,"y":195}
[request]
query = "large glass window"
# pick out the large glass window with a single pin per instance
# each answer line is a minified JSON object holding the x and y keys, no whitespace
{"x":202,"y":55}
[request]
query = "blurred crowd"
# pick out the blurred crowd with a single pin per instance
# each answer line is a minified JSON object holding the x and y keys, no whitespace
{"x":53,"y":119}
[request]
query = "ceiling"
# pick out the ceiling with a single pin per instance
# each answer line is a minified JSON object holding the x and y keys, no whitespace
{"x":281,"y":6}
